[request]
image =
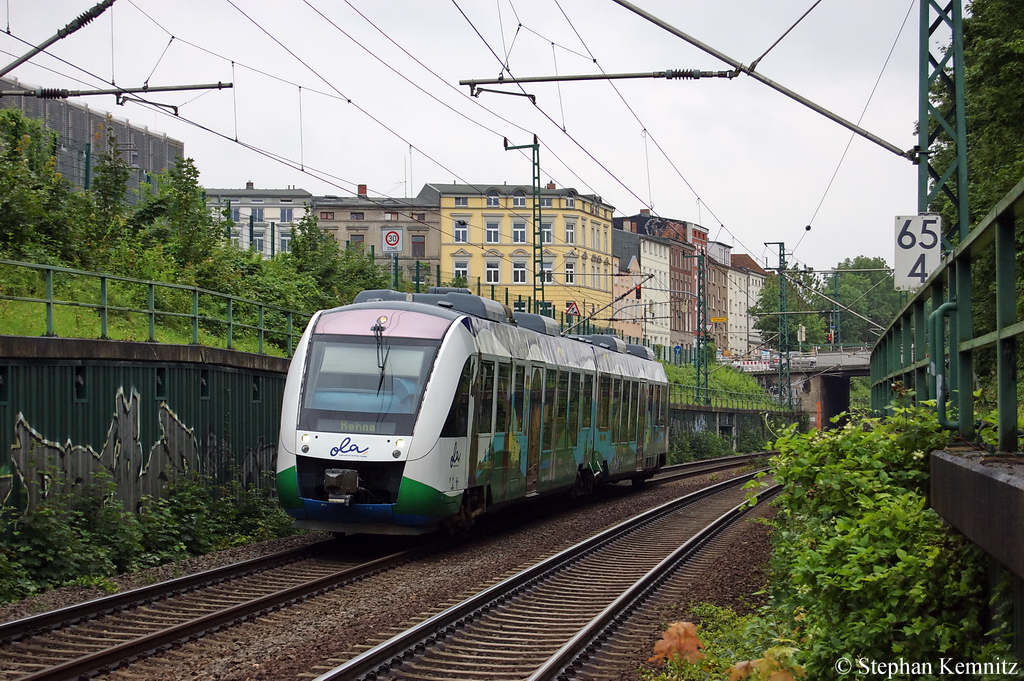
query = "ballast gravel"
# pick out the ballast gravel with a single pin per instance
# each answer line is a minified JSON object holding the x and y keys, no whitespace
{"x":291,"y":643}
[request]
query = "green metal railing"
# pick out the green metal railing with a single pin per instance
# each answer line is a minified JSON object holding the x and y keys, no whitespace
{"x":931,"y":360}
{"x":164,"y":302}
{"x":690,"y":394}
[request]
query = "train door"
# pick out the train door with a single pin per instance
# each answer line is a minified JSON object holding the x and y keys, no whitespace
{"x":481,"y":452}
{"x":517,"y":429}
{"x":536,"y":387}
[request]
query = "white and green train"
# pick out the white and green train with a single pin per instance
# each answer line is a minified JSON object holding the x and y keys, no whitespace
{"x":404,"y":413}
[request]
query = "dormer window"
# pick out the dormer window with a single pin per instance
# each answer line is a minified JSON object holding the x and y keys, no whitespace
{"x":492,"y":198}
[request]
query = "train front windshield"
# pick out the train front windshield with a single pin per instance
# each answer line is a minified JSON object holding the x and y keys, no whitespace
{"x":354,"y":384}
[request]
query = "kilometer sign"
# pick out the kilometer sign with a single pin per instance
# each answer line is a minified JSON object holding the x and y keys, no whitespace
{"x":392,"y":238}
{"x":918,"y":249}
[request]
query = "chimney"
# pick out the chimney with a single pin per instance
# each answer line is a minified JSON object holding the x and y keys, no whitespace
{"x":362,"y":191}
{"x":249,"y":185}
{"x":645,"y":211}
{"x":551,"y":185}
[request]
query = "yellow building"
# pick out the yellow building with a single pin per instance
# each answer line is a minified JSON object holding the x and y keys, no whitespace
{"x":487,"y":243}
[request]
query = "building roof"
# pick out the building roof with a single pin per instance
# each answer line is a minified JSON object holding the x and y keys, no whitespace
{"x":259,"y":193}
{"x":506,"y":189}
{"x":745,"y":261}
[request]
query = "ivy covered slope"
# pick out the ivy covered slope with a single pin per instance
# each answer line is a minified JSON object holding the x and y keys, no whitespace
{"x":862,"y":566}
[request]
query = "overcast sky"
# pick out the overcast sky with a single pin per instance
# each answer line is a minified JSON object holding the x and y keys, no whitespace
{"x":380,"y":102}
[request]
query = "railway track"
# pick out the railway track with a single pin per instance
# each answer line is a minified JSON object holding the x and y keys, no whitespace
{"x":101,"y":634}
{"x":106,"y":633}
{"x":546,"y":621}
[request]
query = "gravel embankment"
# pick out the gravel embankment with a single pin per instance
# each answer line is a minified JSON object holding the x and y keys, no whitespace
{"x":290,"y":643}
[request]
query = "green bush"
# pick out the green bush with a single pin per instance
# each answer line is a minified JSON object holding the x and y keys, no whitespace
{"x":84,"y":536}
{"x":861,"y":564}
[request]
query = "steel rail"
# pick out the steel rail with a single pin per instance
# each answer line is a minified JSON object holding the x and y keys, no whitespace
{"x":75,"y":614}
{"x":563,"y":665}
{"x":391,"y":653}
{"x":112,"y":657}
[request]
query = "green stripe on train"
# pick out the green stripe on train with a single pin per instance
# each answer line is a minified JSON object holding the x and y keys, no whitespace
{"x":288,"y":488}
{"x":420,"y":499}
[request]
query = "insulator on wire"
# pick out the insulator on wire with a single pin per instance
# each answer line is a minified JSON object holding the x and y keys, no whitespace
{"x":51,"y":93}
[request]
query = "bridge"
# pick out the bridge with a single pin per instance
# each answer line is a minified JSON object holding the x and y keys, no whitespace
{"x":820,"y":384}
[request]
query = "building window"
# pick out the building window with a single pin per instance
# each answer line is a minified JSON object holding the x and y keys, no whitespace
{"x":493,"y":272}
{"x":519,"y":232}
{"x":419,"y":245}
{"x":570,"y":273}
{"x":356,"y":240}
{"x":257,"y":242}
{"x":545,"y":202}
{"x":355,"y":216}
{"x":461,"y":232}
{"x":390,"y":216}
{"x":461,"y":270}
{"x":546,"y":273}
{"x":545,"y":232}
{"x":256,"y":200}
{"x":422,"y":217}
{"x":286,"y":214}
{"x":519,"y":199}
{"x":492,"y":198}
{"x":519,"y":273}
{"x":257,"y":214}
{"x":461,"y":201}
{"x":493,"y":232}
{"x":286,"y":243}
{"x":236,"y":215}
{"x":570,"y":202}
{"x":570,"y":232}
{"x":326,"y":215}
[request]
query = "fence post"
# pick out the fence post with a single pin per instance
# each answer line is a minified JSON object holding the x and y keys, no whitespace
{"x":230,"y":323}
{"x":289,"y":334}
{"x":103,"y":308}
{"x":260,"y":331}
{"x":195,"y":316}
{"x":49,"y":303}
{"x":417,"y":276}
{"x":152,"y":312}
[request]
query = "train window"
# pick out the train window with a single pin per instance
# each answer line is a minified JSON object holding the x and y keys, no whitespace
{"x":604,"y":403}
{"x":485,"y":397}
{"x":628,"y":404}
{"x":572,"y":423}
{"x":549,"y":408}
{"x":354,"y":385}
{"x":518,"y":399}
{"x":588,"y":400}
{"x":502,"y":403}
{"x":458,"y":415}
{"x":562,"y":417}
{"x":615,"y":408}
{"x":641,"y":412}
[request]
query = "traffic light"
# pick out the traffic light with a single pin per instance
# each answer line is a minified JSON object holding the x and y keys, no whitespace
{"x":638,"y":291}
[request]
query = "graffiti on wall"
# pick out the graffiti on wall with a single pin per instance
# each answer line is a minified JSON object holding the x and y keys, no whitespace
{"x":138,"y":472}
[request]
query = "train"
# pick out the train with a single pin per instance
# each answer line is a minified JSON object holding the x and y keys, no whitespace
{"x":409,"y":413}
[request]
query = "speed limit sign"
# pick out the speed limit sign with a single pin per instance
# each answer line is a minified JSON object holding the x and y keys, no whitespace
{"x":918,"y":249}
{"x":393,"y":241}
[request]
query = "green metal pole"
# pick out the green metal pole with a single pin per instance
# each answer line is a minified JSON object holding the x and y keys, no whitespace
{"x":49,"y":303}
{"x":231,"y":324}
{"x":272,"y":240}
{"x":152,"y":313}
{"x":195,"y":316}
{"x":417,"y":276}
{"x":252,"y":226}
{"x":88,"y":166}
{"x":103,"y":308}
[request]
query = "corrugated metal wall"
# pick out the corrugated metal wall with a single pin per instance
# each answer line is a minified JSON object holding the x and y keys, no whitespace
{"x":142,"y":421}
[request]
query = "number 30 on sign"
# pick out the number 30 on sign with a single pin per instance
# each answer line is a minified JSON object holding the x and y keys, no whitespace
{"x":918,"y":249}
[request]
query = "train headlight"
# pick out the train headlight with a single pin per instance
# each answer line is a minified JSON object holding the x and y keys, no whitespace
{"x":400,"y":442}
{"x":305,"y":437}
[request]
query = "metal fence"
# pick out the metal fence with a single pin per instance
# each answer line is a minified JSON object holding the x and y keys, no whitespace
{"x":925,"y":357}
{"x":190,"y":307}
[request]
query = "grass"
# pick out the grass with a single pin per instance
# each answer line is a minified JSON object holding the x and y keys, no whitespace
{"x":19,"y":318}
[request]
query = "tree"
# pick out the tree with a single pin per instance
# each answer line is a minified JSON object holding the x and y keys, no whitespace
{"x":869,"y":294}
{"x":338,"y":273}
{"x":799,"y":298}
